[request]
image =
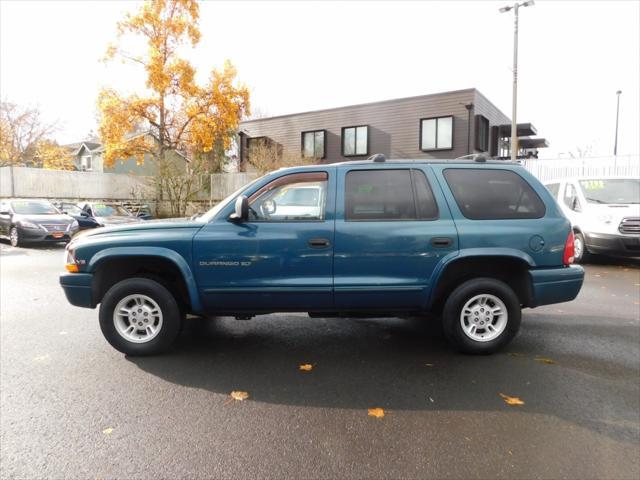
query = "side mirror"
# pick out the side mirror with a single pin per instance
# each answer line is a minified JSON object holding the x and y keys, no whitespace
{"x":5,"y":212}
{"x":84,"y":214}
{"x":575,"y":205}
{"x":241,"y":212}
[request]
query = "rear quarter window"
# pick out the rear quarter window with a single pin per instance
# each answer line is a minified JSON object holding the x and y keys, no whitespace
{"x":488,"y":194}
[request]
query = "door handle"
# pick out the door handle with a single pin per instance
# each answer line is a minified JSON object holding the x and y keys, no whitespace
{"x":319,"y":243}
{"x":440,"y":242}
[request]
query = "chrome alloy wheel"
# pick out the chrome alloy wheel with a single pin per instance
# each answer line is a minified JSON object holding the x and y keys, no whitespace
{"x":14,"y":237}
{"x":137,"y":318}
{"x":484,"y":317}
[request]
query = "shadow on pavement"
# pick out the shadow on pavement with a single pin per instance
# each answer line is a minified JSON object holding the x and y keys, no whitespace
{"x":361,"y":364}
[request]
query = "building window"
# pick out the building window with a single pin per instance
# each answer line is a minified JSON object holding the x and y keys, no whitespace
{"x":355,"y":141}
{"x":482,"y":133}
{"x":436,"y":133}
{"x":313,"y":144}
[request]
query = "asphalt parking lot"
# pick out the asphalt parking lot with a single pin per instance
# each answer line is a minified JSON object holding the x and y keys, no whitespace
{"x":72,"y":407}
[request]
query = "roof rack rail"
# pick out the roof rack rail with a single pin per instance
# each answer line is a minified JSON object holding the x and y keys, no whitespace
{"x":476,"y":157}
{"x":377,"y":157}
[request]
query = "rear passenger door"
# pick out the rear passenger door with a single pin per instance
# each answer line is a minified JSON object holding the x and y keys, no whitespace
{"x":392,"y":229}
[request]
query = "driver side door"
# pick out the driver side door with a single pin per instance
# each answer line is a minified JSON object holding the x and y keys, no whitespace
{"x":280,"y":258}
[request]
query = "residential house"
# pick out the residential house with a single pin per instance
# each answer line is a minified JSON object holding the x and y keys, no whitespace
{"x":88,"y":156}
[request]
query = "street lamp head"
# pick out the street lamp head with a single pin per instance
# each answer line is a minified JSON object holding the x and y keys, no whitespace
{"x":618,"y":92}
{"x":505,"y":9}
{"x":529,"y":3}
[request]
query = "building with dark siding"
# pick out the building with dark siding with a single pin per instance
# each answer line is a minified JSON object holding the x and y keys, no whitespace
{"x":440,"y":125}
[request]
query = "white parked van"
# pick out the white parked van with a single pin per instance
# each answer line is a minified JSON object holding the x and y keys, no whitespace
{"x":604,"y":212}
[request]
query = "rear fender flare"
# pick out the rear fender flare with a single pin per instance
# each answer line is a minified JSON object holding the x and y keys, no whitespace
{"x":472,"y":253}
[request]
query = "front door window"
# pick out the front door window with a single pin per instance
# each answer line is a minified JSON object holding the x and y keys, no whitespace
{"x":292,"y":198}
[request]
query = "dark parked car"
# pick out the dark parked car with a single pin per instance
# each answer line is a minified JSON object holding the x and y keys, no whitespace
{"x":24,"y":220}
{"x":106,"y":214}
{"x":83,"y":218}
{"x":143,"y":212}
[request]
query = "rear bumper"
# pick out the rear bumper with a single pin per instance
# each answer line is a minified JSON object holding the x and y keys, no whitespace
{"x":556,"y":285}
{"x":77,"y":289}
{"x":608,"y":244}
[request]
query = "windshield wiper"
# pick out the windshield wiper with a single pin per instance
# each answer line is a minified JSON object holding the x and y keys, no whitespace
{"x":595,"y":200}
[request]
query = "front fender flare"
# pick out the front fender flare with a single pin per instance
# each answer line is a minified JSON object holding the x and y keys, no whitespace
{"x":159,"y":252}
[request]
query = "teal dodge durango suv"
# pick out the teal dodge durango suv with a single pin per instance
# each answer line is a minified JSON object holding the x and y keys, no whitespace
{"x":473,"y":241}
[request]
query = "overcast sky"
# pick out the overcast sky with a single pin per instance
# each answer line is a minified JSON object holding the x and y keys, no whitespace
{"x":312,"y":55}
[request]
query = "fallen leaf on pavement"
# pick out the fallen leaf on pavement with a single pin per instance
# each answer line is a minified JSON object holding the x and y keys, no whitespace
{"x":376,"y":412}
{"x":107,"y":431}
{"x":428,"y":364}
{"x":239,"y":396}
{"x":546,"y":361}
{"x":306,"y":367}
{"x":516,"y":354}
{"x":511,"y":400}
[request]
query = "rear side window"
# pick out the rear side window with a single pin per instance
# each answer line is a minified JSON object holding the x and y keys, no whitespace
{"x":487,"y":194}
{"x":388,"y":195}
{"x":554,"y":188}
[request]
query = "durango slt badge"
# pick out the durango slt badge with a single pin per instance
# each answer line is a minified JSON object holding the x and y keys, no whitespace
{"x":224,"y":264}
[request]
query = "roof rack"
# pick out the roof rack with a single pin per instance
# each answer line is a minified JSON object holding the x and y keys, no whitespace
{"x":377,"y":157}
{"x":476,"y":157}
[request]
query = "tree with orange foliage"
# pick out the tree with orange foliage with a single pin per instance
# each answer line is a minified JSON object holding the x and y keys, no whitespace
{"x":179,"y":114}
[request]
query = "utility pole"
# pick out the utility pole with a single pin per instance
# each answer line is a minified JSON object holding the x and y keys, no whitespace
{"x":615,"y":144}
{"x":514,"y":108}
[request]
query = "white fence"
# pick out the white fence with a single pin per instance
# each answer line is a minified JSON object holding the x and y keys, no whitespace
{"x":558,"y":168}
{"x":55,"y":184}
{"x":41,"y":183}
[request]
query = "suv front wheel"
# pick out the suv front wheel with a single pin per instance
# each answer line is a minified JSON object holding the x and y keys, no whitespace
{"x":481,"y":316}
{"x":139,"y":316}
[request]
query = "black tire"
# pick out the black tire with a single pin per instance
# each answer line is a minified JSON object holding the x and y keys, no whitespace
{"x":584,"y":256}
{"x":451,"y":315}
{"x":14,"y":237}
{"x":171,"y":316}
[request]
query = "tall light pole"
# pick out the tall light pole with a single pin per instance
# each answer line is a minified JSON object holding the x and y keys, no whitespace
{"x":615,"y":145}
{"x":514,"y":108}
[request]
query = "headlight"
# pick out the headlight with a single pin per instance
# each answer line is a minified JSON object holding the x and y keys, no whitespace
{"x":70,"y":261}
{"x":74,"y":225}
{"x":26,"y":224}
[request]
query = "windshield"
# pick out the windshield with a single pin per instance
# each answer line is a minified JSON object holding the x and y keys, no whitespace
{"x":611,"y":190}
{"x":210,"y":214}
{"x":105,"y":210}
{"x":34,"y":208}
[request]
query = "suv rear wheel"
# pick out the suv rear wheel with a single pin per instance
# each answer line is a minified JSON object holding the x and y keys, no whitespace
{"x":139,"y":316}
{"x":481,"y":316}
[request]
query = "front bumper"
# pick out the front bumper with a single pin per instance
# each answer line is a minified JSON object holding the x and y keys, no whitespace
{"x":610,"y":244}
{"x":34,"y":235}
{"x":77,"y":289}
{"x":555,"y":285}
